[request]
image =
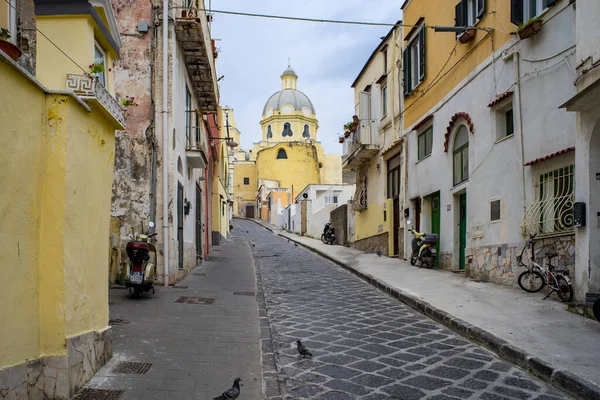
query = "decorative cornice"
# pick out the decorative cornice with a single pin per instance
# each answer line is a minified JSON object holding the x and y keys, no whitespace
{"x":453,"y":120}
{"x":500,"y":99}
{"x":549,"y":156}
{"x":422,"y":122}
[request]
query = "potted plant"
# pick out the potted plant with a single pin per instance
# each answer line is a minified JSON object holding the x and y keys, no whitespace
{"x":129,"y":101}
{"x":529,"y":28}
{"x":347,"y":134}
{"x":10,"y":49}
{"x":467,"y":36}
{"x":341,"y":139}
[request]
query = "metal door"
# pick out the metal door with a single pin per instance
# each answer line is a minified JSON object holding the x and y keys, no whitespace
{"x":463,"y":231}
{"x":180,"y":223}
{"x":199,"y":250}
{"x":435,"y":222}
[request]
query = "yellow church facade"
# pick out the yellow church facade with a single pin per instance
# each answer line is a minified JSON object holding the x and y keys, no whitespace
{"x":288,"y":156}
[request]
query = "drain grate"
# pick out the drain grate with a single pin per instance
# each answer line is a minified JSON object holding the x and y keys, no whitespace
{"x":244,"y":294}
{"x":117,"y":321}
{"x":200,"y":274}
{"x":281,"y":291}
{"x":98,"y":394}
{"x":132,"y":367}
{"x":180,"y":287}
{"x":195,"y":300}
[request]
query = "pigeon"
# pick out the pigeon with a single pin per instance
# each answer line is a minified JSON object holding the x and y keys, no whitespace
{"x":232,"y":393}
{"x":378,"y":252}
{"x":303,"y":350}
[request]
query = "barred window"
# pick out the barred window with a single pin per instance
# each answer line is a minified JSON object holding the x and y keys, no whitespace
{"x":552,"y":210}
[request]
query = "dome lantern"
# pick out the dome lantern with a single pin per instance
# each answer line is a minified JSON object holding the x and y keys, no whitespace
{"x":289,"y":78}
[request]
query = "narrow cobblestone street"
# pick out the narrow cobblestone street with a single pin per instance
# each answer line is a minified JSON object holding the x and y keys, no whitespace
{"x":367,"y":345}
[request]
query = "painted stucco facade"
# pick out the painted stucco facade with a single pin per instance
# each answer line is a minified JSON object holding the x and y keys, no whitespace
{"x":483,"y":216}
{"x":57,"y":152}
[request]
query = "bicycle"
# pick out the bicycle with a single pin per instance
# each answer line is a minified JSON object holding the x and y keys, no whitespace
{"x":536,"y":277}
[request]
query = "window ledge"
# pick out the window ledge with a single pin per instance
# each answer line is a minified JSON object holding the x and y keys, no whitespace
{"x":496,"y":221}
{"x":504,"y":138}
{"x":459,"y":186}
{"x":413,"y":90}
{"x":424,"y":158}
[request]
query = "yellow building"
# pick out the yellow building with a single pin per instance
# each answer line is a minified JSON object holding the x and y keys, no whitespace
{"x":289,"y":154}
{"x":57,"y":154}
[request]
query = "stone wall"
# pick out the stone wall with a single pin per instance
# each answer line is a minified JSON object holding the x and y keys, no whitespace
{"x":374,"y":243}
{"x":58,"y":377}
{"x":445,"y":261}
{"x":498,"y":263}
{"x":339,"y":220}
{"x":26,"y":34}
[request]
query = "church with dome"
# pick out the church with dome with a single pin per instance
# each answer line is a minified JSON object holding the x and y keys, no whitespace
{"x":287,"y":158}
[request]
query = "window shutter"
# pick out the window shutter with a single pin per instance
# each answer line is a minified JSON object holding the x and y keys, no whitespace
{"x":516,"y":11}
{"x":481,"y":8}
{"x":422,"y":55}
{"x":407,"y":66}
{"x":458,"y":18}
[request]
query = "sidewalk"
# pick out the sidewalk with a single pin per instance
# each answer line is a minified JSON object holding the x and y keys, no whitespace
{"x":538,"y":335}
{"x":196,"y":350}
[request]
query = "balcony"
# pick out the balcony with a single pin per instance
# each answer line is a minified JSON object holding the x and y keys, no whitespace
{"x":193,"y":35}
{"x":90,"y":90}
{"x":195,"y":151}
{"x":361,"y":148}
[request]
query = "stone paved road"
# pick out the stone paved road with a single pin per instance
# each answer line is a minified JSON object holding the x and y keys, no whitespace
{"x":367,"y":345}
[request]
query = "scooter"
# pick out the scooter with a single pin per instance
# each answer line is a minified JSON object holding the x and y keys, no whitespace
{"x":423,"y":248}
{"x":328,"y":235}
{"x":141,"y":268}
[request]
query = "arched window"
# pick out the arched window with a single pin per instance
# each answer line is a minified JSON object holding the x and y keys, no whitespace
{"x":269,"y":132}
{"x":306,"y":133}
{"x":179,"y":166}
{"x":287,"y":130}
{"x":461,"y":155}
{"x":281,"y":154}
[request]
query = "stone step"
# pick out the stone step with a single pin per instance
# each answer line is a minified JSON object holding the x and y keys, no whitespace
{"x":590,"y":297}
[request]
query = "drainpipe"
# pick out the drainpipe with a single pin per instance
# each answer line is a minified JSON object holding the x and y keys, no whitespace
{"x":393,"y":85}
{"x":518,"y":80}
{"x":165,"y":124}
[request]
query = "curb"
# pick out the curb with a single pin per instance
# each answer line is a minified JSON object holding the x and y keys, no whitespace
{"x":565,"y":381}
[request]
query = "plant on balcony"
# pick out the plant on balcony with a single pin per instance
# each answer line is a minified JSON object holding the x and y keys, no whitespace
{"x":341,"y":139}
{"x":467,"y":36}
{"x":347,"y":134}
{"x":529,"y":28}
{"x":10,"y":49}
{"x":129,"y":101}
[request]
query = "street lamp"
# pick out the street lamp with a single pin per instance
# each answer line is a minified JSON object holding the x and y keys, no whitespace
{"x":229,"y":141}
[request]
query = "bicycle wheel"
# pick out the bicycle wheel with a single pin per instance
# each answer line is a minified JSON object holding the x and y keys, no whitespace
{"x":531,"y":281}
{"x":565,"y":291}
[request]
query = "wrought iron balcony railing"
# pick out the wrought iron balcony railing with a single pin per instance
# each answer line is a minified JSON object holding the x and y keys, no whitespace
{"x":88,"y":87}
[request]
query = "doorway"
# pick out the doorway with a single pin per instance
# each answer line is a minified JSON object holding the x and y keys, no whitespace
{"x":250,"y":211}
{"x":199,"y":250}
{"x":180,"y":223}
{"x":435,"y":223}
{"x":393,"y":191}
{"x":462,"y":245}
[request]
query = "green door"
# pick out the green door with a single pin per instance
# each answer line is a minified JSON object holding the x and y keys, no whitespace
{"x":435,"y":222}
{"x":463,"y":231}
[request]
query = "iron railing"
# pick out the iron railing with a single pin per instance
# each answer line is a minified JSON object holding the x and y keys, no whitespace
{"x":88,"y":87}
{"x":552,"y":213}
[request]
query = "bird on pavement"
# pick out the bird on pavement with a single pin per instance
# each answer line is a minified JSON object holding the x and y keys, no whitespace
{"x":378,"y":252}
{"x":303,"y":350}
{"x":232,"y":393}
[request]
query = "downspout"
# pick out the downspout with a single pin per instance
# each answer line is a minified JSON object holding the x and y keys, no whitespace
{"x":518,"y":80}
{"x":393,"y":85}
{"x":152,"y":127}
{"x":165,"y":125}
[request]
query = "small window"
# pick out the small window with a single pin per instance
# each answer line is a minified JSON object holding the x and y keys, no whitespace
{"x":523,"y":10}
{"x":99,"y":56}
{"x":495,"y":210}
{"x":269,"y":132}
{"x":306,"y":133}
{"x":246,"y":181}
{"x":281,"y":154}
{"x":335,"y":199}
{"x":425,"y":142}
{"x":287,"y":130}
{"x":468,"y":12}
{"x":509,"y":122}
{"x":385,"y":61}
{"x":505,"y":121}
{"x":414,"y":62}
{"x":384,"y":98}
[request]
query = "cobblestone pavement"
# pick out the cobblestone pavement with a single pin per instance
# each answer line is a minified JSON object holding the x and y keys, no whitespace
{"x":367,"y":345}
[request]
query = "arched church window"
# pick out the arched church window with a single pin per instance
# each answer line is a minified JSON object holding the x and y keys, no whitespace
{"x":281,"y":154}
{"x":306,"y":133}
{"x":269,"y":132}
{"x":287,"y":130}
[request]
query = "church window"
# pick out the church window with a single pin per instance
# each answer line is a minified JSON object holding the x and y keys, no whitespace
{"x":287,"y":130}
{"x":269,"y":132}
{"x":306,"y":133}
{"x":246,"y":181}
{"x":281,"y":154}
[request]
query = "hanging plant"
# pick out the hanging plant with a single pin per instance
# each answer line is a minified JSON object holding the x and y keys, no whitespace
{"x":347,"y":134}
{"x":341,"y":139}
{"x":129,"y":101}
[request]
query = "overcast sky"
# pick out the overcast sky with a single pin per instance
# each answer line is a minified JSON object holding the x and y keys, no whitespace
{"x":326,"y":57}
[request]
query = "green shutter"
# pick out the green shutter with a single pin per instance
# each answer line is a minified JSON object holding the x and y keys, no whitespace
{"x":422,"y":55}
{"x":406,"y":62}
{"x":516,"y":11}
{"x":481,"y":7}
{"x":458,"y":17}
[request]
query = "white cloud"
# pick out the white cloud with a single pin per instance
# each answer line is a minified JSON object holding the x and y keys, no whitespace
{"x":326,"y":57}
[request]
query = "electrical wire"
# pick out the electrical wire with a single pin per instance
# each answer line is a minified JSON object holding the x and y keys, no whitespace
{"x":42,"y":33}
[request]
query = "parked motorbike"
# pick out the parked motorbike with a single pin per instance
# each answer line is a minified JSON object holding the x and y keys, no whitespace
{"x":141,"y":268}
{"x":328,"y":235}
{"x":423,"y":248}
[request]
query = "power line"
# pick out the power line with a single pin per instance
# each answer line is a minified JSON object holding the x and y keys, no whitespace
{"x":42,"y":33}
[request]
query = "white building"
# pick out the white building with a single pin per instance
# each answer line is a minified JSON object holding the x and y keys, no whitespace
{"x":495,"y":159}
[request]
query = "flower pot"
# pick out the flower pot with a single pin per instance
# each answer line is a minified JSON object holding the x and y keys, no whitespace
{"x":10,"y":49}
{"x":353,"y":127}
{"x":341,"y":140}
{"x":530,"y":29}
{"x":467,"y":36}
{"x":347,"y":134}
